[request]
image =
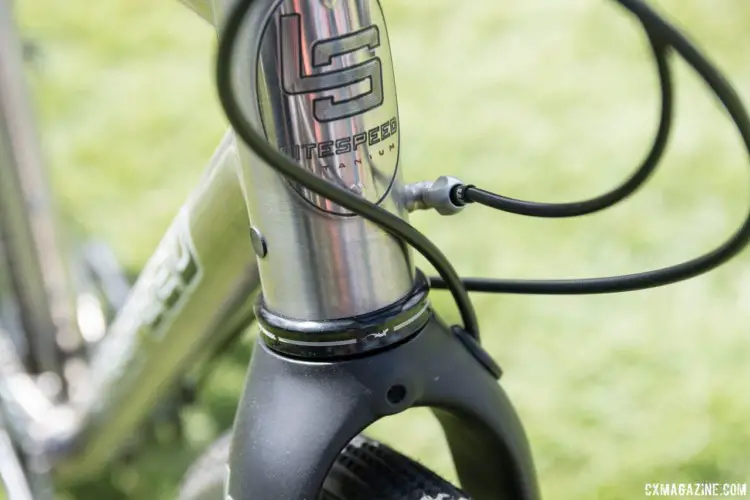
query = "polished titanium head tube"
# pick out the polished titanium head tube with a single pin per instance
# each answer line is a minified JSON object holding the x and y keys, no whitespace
{"x":316,"y":77}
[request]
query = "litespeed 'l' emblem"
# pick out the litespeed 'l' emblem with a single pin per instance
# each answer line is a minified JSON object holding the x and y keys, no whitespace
{"x":328,"y":108}
{"x":327,"y":95}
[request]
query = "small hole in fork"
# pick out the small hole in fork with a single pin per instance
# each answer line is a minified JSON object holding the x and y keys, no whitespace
{"x":396,"y":394}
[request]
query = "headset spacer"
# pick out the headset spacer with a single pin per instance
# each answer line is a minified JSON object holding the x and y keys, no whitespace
{"x":348,"y":336}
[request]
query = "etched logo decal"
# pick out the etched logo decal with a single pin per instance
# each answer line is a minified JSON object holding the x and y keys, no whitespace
{"x":326,"y":109}
{"x":176,"y":270}
{"x":327,"y":95}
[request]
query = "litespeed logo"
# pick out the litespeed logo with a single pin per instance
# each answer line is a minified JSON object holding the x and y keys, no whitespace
{"x":294,"y":82}
{"x":327,"y":95}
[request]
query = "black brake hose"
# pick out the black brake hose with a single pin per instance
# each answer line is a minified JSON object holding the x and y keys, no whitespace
{"x":658,"y":31}
{"x":664,"y":276}
{"x":472,"y":194}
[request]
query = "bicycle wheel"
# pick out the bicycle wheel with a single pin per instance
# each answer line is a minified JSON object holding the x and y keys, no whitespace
{"x":365,"y":470}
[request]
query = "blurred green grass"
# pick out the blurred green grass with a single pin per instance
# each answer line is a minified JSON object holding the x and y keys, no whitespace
{"x":539,"y":99}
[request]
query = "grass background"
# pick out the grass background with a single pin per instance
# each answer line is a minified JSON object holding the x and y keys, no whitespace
{"x":537,"y":99}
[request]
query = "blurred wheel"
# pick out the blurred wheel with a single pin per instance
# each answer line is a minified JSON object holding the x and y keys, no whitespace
{"x":365,"y":470}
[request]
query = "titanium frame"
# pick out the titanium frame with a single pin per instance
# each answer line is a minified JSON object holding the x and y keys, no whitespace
{"x":195,"y":292}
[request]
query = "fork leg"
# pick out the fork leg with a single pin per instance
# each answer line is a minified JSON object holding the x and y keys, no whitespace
{"x":296,"y":416}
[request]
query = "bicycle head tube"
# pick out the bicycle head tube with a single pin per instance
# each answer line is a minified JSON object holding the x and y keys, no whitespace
{"x":316,"y":78}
